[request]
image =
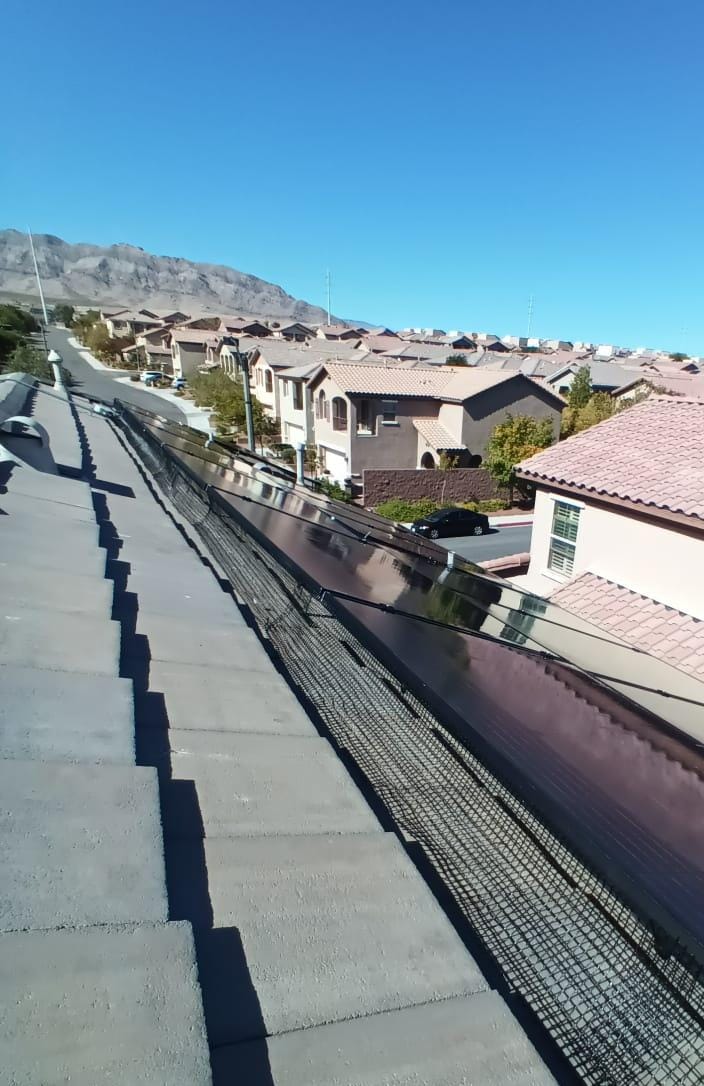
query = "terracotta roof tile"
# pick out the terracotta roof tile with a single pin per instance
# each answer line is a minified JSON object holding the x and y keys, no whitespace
{"x":670,"y":635}
{"x":652,"y":454}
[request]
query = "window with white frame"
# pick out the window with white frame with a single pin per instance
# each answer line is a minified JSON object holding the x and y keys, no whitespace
{"x":563,"y":537}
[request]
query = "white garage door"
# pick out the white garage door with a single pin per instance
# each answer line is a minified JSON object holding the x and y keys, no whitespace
{"x":294,"y":435}
{"x":336,"y":464}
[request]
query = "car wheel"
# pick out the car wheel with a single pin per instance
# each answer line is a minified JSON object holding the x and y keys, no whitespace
{"x":434,"y":533}
{"x":477,"y":530}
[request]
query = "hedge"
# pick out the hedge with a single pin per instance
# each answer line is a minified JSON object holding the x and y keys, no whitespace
{"x":401,"y":510}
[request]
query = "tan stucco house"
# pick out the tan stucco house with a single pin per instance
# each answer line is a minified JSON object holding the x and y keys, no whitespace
{"x":618,"y":532}
{"x":377,"y":416}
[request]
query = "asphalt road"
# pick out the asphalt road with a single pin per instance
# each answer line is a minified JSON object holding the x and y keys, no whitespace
{"x":499,"y":542}
{"x":103,"y":385}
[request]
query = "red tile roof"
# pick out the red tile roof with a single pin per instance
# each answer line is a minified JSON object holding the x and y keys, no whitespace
{"x":670,"y":635}
{"x":651,"y":454}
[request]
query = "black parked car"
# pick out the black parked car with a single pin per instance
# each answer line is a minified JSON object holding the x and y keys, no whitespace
{"x":451,"y":522}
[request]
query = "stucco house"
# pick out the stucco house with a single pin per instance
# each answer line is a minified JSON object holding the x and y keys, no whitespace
{"x":294,"y":332}
{"x":295,"y":403}
{"x":188,"y":347}
{"x":618,"y":532}
{"x":129,"y":323}
{"x":337,"y":331}
{"x":270,"y":356}
{"x":605,"y":376}
{"x":376,"y":416}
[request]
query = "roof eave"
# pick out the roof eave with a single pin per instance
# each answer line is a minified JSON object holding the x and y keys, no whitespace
{"x":691,"y":522}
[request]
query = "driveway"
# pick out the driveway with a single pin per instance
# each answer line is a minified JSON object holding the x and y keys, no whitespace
{"x":499,"y":542}
{"x":103,"y":383}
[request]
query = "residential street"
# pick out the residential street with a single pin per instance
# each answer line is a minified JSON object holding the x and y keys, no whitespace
{"x":101,"y":383}
{"x":500,"y":541}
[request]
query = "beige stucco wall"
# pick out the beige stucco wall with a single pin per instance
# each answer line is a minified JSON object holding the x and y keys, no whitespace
{"x":268,"y":400}
{"x":187,"y":357}
{"x":290,"y":416}
{"x":657,"y":561}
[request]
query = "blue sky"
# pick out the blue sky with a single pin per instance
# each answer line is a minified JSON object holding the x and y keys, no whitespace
{"x":445,"y":160}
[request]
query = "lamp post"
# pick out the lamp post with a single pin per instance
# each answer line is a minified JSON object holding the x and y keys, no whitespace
{"x":55,"y":360}
{"x":300,"y":463}
{"x":243,"y":365}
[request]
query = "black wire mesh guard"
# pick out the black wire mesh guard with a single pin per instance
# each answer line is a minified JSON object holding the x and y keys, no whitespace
{"x":619,"y":995}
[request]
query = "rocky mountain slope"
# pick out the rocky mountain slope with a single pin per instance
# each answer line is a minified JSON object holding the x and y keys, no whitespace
{"x":127,"y":275}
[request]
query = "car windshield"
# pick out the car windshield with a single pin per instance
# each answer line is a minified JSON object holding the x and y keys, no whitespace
{"x":440,"y":514}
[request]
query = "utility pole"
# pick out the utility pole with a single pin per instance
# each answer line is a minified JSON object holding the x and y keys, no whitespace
{"x":327,"y":282}
{"x":243,"y":364}
{"x":530,"y":315}
{"x":36,"y":272}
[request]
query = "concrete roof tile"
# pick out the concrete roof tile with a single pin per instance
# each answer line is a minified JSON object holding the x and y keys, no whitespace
{"x":651,"y":454}
{"x":648,"y":624}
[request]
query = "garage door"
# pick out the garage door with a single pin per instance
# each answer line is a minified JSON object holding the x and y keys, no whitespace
{"x":336,"y":464}
{"x":294,"y":435}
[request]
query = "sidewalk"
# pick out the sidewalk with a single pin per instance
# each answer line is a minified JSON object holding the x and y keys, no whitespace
{"x":517,"y":520}
{"x":90,"y":358}
{"x":197,"y":417}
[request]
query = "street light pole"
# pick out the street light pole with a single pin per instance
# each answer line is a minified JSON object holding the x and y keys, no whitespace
{"x":36,"y":272}
{"x":243,"y":364}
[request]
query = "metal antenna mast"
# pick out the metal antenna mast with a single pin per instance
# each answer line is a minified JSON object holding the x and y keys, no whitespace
{"x":36,"y":272}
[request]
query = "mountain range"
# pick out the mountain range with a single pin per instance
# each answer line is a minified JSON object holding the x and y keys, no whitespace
{"x":127,"y":275}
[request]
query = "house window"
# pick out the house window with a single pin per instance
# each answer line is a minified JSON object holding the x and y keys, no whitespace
{"x":285,"y":384}
{"x":322,"y":406}
{"x":364,"y":417}
{"x":268,"y":383}
{"x":297,"y":396}
{"x":563,"y":537}
{"x":339,"y":413}
{"x":388,"y":412}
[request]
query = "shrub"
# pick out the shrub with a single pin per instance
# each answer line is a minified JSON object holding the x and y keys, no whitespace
{"x":14,"y":319}
{"x":134,"y":377}
{"x":402,"y":510}
{"x":333,"y":490}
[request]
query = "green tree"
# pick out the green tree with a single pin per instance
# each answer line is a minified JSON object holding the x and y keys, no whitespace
{"x":446,"y":461}
{"x":8,"y":342}
{"x":581,"y":388}
{"x":64,"y":314}
{"x":513,"y":440}
{"x":226,"y":398}
{"x":601,"y":406}
{"x":456,"y":360}
{"x":84,"y":322}
{"x":677,"y":356}
{"x":27,"y":359}
{"x":14,"y":319}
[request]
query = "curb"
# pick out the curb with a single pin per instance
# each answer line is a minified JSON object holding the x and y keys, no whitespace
{"x":511,"y":522}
